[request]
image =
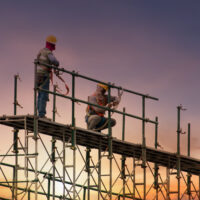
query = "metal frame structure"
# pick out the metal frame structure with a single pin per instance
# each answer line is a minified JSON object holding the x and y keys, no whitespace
{"x":91,"y":181}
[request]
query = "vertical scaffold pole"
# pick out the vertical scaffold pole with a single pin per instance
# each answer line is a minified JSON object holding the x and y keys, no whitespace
{"x":36,"y":132}
{"x":156,"y":185}
{"x":99,"y":171}
{"x":54,"y":143}
{"x":88,"y":170}
{"x":168,"y":183}
{"x":178,"y":148}
{"x":199,"y":188}
{"x":73,"y":133}
{"x":64,"y":164}
{"x":143,"y":147}
{"x":110,"y":145}
{"x":48,"y":187}
{"x":15,"y":142}
{"x":189,"y":174}
{"x":123,"y":157}
{"x":134,"y":166}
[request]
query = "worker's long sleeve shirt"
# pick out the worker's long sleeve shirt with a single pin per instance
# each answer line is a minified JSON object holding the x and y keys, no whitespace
{"x":101,"y":100}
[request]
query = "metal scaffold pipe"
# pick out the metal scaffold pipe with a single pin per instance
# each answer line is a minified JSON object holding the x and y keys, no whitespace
{"x":73,"y":73}
{"x":15,"y":142}
{"x":188,"y":174}
{"x":178,"y":149}
{"x":143,"y":148}
{"x":156,"y":184}
{"x":54,"y":144}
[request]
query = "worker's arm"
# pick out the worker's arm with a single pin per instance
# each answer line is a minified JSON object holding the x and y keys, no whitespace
{"x":113,"y":101}
{"x":53,"y":60}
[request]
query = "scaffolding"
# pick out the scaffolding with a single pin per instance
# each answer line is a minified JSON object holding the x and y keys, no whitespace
{"x":59,"y":175}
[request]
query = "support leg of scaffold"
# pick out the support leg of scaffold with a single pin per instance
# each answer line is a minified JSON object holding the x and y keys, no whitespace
{"x":54,"y":169}
{"x":84,"y":193}
{"x":123,"y":175}
{"x":143,"y":147}
{"x":156,"y":185}
{"x":88,"y":150}
{"x":48,"y":187}
{"x":134,"y":186}
{"x":15,"y":172}
{"x":110,"y":173}
{"x":144,"y":173}
{"x":36,"y":133}
{"x":64,"y":164}
{"x":15,"y":142}
{"x":168,"y":183}
{"x":123,"y":157}
{"x":189,"y":174}
{"x":99,"y":171}
{"x":74,"y":167}
{"x":53,"y":150}
{"x":199,"y":187}
{"x":36,"y":169}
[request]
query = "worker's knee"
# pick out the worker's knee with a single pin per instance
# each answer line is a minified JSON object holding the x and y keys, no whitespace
{"x":113,"y":122}
{"x":93,"y":120}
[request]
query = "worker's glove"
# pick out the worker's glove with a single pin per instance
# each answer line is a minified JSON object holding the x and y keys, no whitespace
{"x":110,"y":105}
{"x":116,"y":101}
{"x":56,"y":72}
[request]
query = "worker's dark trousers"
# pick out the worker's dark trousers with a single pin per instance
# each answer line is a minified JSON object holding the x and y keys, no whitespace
{"x":96,"y":121}
{"x":43,"y":97}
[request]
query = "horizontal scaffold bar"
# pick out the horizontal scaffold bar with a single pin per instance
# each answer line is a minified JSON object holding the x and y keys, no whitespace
{"x":95,"y":80}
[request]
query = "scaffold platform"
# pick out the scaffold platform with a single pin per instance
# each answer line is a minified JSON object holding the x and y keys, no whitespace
{"x":93,"y":139}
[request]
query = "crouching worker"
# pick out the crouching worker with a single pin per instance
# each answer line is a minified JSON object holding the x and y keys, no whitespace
{"x":44,"y":73}
{"x":94,"y":115}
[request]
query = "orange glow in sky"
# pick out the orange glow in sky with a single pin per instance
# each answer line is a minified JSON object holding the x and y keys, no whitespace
{"x":148,"y":47}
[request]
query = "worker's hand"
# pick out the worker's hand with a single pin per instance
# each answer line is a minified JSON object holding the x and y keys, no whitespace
{"x":115,"y":103}
{"x":56,"y":72}
{"x":110,"y":105}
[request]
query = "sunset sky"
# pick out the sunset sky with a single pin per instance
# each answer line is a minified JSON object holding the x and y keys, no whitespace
{"x":151,"y":47}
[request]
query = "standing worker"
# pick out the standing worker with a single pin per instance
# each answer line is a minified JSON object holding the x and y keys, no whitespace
{"x":44,"y":73}
{"x":94,"y":115}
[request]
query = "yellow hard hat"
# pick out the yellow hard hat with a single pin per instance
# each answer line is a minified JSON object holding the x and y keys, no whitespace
{"x":105,"y":87}
{"x":51,"y":39}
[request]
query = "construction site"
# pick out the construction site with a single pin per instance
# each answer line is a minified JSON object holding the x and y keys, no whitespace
{"x":52,"y":160}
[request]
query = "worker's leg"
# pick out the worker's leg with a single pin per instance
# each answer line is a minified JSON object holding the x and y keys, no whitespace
{"x":93,"y":120}
{"x":42,"y":102}
{"x":43,"y":96}
{"x":112,"y":123}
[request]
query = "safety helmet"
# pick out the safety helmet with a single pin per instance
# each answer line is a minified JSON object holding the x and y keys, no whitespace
{"x":51,"y":39}
{"x":105,"y":87}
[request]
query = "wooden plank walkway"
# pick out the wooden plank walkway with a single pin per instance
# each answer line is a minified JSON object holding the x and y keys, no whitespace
{"x":93,"y":139}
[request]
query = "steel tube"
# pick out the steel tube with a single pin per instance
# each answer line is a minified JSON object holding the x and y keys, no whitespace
{"x":156,"y":186}
{"x":143,"y":148}
{"x":15,"y":142}
{"x":73,"y":73}
{"x":189,"y":174}
{"x":35,"y":131}
{"x":123,"y":157}
{"x":178,"y":149}
{"x":54,"y":144}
